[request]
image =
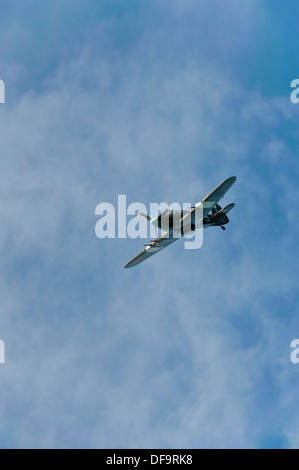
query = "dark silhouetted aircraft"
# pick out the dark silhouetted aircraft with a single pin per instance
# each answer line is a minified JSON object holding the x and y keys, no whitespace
{"x":206,"y":213}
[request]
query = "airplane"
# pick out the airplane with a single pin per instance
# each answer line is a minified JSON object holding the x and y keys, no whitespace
{"x":175,"y":221}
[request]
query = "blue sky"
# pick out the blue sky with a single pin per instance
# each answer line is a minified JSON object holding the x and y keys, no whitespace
{"x":160,"y":101}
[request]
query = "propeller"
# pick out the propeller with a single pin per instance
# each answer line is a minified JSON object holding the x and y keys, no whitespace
{"x":144,"y":215}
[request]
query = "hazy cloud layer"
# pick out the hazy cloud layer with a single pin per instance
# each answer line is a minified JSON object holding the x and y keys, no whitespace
{"x":191,"y":348}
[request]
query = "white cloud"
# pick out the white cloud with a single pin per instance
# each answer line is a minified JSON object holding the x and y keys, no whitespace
{"x":156,"y":356}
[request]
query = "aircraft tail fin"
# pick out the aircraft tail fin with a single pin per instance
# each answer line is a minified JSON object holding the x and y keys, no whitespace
{"x":216,"y":209}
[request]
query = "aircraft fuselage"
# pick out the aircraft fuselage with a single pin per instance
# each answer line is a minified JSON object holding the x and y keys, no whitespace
{"x":172,"y":221}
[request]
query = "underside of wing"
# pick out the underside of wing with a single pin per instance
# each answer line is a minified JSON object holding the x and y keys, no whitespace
{"x":151,"y":249}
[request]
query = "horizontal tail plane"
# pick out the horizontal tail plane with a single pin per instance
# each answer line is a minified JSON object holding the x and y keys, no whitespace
{"x":226,"y":209}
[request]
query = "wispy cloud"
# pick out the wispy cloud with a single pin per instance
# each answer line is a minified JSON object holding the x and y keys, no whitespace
{"x":190,"y":349}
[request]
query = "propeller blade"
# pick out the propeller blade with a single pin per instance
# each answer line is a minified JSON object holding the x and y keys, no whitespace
{"x":144,"y":215}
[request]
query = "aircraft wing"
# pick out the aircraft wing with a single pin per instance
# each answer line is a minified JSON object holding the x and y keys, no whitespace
{"x":212,"y":199}
{"x":151,"y":249}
